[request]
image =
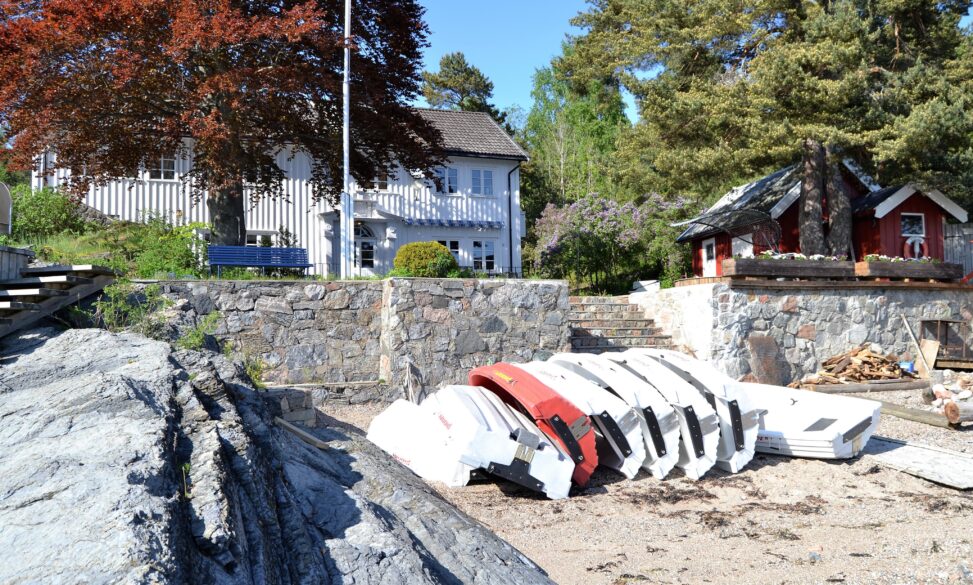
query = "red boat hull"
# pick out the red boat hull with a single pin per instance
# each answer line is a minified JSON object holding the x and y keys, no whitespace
{"x":560,"y":420}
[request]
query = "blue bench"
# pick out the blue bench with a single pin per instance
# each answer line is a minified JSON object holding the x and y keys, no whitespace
{"x":257,"y":257}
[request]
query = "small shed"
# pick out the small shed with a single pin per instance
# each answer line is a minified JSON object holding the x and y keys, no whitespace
{"x":905,"y":221}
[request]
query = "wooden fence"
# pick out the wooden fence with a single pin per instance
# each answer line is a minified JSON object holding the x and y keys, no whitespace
{"x":12,"y":261}
{"x":959,"y":248}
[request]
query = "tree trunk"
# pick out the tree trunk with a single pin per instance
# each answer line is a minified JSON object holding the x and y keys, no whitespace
{"x":227,"y":216}
{"x":812,"y":191}
{"x":839,"y":209}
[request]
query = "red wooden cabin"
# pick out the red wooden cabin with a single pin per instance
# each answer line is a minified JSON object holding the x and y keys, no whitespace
{"x":904,"y":221}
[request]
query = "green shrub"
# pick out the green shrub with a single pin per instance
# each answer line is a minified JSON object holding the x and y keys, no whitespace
{"x":430,"y":259}
{"x":254,"y":367}
{"x":122,"y":308}
{"x":143,"y":250}
{"x":195,"y":338}
{"x":43,"y":212}
{"x":461,"y":273}
{"x":168,"y":249}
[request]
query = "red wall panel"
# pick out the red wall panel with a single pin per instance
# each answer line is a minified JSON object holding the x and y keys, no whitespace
{"x":892,"y":241}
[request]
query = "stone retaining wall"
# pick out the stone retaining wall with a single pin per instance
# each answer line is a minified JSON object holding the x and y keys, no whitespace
{"x":427,"y":331}
{"x":776,"y":334}
{"x":446,"y":327}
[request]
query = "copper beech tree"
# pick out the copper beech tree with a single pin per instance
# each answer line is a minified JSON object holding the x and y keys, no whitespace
{"x":109,"y":87}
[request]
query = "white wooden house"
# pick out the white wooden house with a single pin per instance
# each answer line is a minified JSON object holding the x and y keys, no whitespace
{"x":476,"y":214}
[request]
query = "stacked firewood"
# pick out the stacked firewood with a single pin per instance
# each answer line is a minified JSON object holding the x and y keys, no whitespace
{"x":858,"y":365}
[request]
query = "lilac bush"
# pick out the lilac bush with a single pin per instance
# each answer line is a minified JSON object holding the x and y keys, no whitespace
{"x":606,"y":244}
{"x":594,"y":239}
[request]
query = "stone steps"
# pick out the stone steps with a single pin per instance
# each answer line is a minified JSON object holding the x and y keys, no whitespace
{"x":38,"y":292}
{"x":622,"y":343}
{"x":604,"y":324}
{"x":625,"y":319}
{"x":616,"y":331}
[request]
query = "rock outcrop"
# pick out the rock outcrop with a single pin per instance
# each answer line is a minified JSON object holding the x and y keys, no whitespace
{"x":122,"y":461}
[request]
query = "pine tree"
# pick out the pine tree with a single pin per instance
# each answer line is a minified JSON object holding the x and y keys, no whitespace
{"x":458,"y":85}
{"x":731,"y":90}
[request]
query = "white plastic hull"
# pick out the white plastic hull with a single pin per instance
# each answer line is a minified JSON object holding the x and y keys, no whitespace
{"x":657,"y":418}
{"x":417,"y":440}
{"x":699,"y":427}
{"x":738,"y":420}
{"x":801,"y":423}
{"x":483,"y":432}
{"x":621,"y":445}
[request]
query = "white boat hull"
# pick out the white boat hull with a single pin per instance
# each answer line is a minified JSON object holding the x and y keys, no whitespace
{"x":483,"y":432}
{"x":738,"y":419}
{"x":657,"y":418}
{"x":801,"y":423}
{"x":417,"y":440}
{"x":699,"y":427}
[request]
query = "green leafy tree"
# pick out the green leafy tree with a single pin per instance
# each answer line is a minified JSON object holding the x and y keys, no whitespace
{"x":730,"y":90}
{"x":571,"y":137}
{"x":458,"y":85}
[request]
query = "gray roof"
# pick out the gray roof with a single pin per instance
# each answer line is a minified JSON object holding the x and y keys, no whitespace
{"x":744,"y":204}
{"x":472,"y":134}
{"x":873,"y":199}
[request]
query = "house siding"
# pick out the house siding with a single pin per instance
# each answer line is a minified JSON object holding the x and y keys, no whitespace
{"x":892,"y":241}
{"x":315,"y":223}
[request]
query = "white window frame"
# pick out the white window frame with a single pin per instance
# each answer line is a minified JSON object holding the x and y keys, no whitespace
{"x":453,"y":246}
{"x":920,"y":215}
{"x":380,"y":184}
{"x":257,"y":235}
{"x":482,"y":259}
{"x":482,"y":182}
{"x":162,"y":171}
{"x":360,"y":261}
{"x":449,"y":179}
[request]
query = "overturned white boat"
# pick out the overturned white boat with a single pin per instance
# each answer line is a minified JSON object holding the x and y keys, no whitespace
{"x":463,"y":428}
{"x":658,"y":419}
{"x":619,"y":440}
{"x":738,"y":419}
{"x":414,"y":437}
{"x":699,"y":427}
{"x":483,"y":432}
{"x":802,"y":423}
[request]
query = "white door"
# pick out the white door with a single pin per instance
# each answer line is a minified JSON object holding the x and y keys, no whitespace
{"x":708,"y":250}
{"x":366,"y":250}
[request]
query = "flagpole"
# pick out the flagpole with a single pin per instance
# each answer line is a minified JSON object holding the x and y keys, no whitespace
{"x":346,"y":233}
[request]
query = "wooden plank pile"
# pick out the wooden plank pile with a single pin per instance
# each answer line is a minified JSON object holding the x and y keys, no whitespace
{"x":860,"y":364}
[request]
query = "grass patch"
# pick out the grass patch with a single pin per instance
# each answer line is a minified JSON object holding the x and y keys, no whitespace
{"x":195,"y":338}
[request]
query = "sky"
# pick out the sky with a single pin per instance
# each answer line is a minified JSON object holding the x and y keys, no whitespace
{"x":506,"y":39}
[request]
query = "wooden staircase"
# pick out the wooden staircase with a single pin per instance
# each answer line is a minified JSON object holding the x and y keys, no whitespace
{"x":39,"y":292}
{"x":602,"y":324}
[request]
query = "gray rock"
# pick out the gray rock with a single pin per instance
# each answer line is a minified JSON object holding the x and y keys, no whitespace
{"x":315,"y":292}
{"x":469,"y":342}
{"x":94,"y":445}
{"x":273,"y":305}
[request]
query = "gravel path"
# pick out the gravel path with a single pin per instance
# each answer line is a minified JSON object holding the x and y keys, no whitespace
{"x":780,"y":521}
